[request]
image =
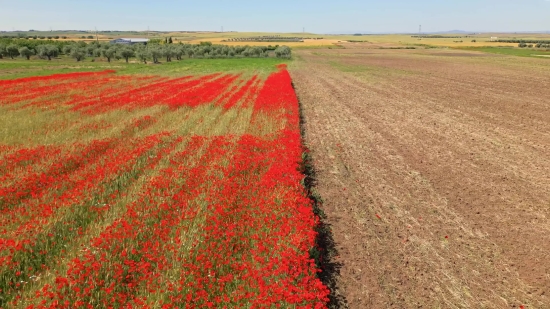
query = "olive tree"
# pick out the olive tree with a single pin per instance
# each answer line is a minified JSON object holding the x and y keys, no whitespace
{"x":25,"y":52}
{"x":3,"y":51}
{"x":168,"y":52}
{"x":283,"y":52}
{"x":155,"y":53}
{"x":78,"y":53}
{"x":47,"y":50}
{"x":67,"y":49}
{"x":12,"y":50}
{"x":96,"y":52}
{"x":247,"y":52}
{"x":142,"y":54}
{"x":90,"y":49}
{"x":179,"y":51}
{"x":108,"y":53}
{"x":126,"y":53}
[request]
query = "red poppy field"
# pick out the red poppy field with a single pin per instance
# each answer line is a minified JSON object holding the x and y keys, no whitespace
{"x":133,"y":191}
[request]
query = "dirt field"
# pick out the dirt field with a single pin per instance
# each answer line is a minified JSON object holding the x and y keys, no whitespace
{"x":434,"y":167}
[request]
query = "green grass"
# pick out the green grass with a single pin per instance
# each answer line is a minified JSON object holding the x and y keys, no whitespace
{"x":18,"y":68}
{"x":509,"y":51}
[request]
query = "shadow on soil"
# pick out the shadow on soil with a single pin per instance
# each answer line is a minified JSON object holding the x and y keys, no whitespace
{"x":325,"y":249}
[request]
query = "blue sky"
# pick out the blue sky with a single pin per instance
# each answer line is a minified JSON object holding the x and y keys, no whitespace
{"x":319,"y":16}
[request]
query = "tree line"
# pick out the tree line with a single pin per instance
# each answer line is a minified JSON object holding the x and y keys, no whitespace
{"x":35,"y":37}
{"x":439,"y":36}
{"x":270,"y":38}
{"x":143,"y":53}
{"x":523,"y":41}
{"x":538,"y":45}
{"x":265,"y":39}
{"x":32,"y":44}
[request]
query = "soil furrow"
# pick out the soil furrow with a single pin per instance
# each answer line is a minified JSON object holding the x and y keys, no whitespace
{"x":435,"y":176}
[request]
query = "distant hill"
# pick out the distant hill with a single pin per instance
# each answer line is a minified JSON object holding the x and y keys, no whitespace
{"x":428,"y":33}
{"x":370,"y":32}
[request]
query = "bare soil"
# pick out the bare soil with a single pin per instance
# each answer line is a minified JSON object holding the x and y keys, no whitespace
{"x":435,"y":175}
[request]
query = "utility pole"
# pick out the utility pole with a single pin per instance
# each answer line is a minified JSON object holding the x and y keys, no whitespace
{"x":96,"y":38}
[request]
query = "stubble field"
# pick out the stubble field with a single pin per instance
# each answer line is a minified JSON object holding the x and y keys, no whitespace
{"x":434,"y":168}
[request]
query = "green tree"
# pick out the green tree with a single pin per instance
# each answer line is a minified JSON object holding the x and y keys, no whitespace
{"x":247,"y":52}
{"x":179,"y":51}
{"x":78,"y":53}
{"x":283,"y":52}
{"x":168,"y":52}
{"x":90,"y":49}
{"x":108,"y":53}
{"x":170,"y":40}
{"x":12,"y":50}
{"x":25,"y":52}
{"x":67,"y":49}
{"x":3,"y":51}
{"x":142,"y":54}
{"x":257,"y":51}
{"x":47,"y":50}
{"x":97,"y":52}
{"x":154,"y":41}
{"x":155,"y":53}
{"x":126,"y":53}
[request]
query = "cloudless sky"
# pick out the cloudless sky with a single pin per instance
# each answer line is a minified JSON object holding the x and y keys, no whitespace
{"x":319,"y":16}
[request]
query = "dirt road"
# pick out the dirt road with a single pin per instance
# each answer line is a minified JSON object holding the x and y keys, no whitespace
{"x":434,"y":167}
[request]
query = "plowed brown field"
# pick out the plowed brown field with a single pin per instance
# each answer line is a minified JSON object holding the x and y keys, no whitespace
{"x":434,"y":167}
